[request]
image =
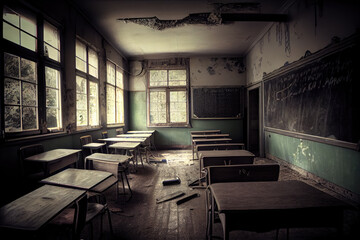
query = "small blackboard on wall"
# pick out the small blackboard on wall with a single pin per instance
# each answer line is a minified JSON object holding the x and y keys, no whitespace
{"x":318,"y":95}
{"x":217,"y":102}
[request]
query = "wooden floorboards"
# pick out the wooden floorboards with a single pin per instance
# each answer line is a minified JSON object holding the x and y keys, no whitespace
{"x":141,"y":218}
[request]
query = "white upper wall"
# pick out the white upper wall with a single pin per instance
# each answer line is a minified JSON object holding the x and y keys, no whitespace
{"x":287,"y":42}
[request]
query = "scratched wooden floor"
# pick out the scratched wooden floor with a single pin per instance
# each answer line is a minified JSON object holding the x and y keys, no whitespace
{"x":141,"y":218}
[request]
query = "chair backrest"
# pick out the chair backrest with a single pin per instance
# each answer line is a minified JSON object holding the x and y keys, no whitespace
{"x":27,"y":151}
{"x":119,"y":131}
{"x":104,"y":134}
{"x":79,"y":216}
{"x":243,"y":173}
{"x":85,"y":139}
{"x":112,"y":167}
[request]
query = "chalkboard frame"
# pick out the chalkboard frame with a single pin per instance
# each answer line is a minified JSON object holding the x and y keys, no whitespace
{"x":240,"y":107}
{"x":335,"y":48}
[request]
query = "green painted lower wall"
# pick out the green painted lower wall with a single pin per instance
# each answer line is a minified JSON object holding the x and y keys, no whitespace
{"x":338,"y":165}
{"x":174,"y":137}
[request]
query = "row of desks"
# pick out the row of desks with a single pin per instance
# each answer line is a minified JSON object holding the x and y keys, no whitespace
{"x":34,"y":210}
{"x":262,"y":206}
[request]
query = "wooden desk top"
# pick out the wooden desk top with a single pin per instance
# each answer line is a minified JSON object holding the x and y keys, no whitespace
{"x":93,"y":145}
{"x":220,"y":135}
{"x":210,"y":140}
{"x":108,"y":157}
{"x":205,"y":132}
{"x":116,"y":139}
{"x":225,"y":153}
{"x":35,"y":209}
{"x":145,"y":131}
{"x":125,"y":145}
{"x":77,"y":178}
{"x":220,"y":144}
{"x":52,"y":155}
{"x":278,"y":195}
{"x":135,"y":135}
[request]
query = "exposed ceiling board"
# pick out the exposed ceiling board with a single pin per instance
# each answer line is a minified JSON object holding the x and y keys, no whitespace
{"x":142,"y":41}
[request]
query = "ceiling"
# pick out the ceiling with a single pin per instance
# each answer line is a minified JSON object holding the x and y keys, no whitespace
{"x":209,"y":34}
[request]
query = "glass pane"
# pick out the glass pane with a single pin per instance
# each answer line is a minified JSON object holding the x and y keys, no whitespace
{"x":51,"y":35}
{"x":12,"y":91}
{"x":52,"y":77}
{"x":12,"y":119}
{"x":81,"y":102}
{"x":119,"y":79}
{"x":119,"y":105}
{"x":93,"y":71}
{"x":29,"y":118}
{"x":52,"y":118}
{"x":81,"y":50}
{"x":28,"y":70}
{"x":11,"y":65}
{"x":177,"y":77}
{"x":11,"y":33}
{"x":51,"y":52}
{"x":10,"y":16}
{"x":28,"y":41}
{"x":80,"y":85}
{"x":81,"y":117}
{"x":158,"y":77}
{"x":28,"y":25}
{"x":110,"y":73}
{"x":110,"y":104}
{"x":80,"y":64}
{"x":178,"y":106}
{"x":29,"y":96}
{"x":93,"y":105}
{"x":52,"y":97}
{"x":157,"y":107}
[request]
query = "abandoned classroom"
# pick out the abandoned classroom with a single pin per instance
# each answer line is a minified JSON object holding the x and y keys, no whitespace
{"x":142,"y":112}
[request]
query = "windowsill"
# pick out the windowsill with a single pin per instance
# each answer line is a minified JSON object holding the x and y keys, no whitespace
{"x":36,"y":137}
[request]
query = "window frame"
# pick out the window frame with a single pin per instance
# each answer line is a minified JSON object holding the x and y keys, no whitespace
{"x":168,"y":88}
{"x":89,"y":78}
{"x":117,"y":68}
{"x":42,"y":61}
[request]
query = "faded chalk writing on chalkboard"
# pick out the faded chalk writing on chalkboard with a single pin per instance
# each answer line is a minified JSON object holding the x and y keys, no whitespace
{"x":320,"y":97}
{"x":218,"y":102}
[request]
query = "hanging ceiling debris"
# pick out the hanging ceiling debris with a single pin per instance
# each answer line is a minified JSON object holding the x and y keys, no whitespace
{"x":220,"y":15}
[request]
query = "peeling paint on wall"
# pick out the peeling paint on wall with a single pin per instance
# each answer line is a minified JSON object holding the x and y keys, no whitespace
{"x":303,"y":153}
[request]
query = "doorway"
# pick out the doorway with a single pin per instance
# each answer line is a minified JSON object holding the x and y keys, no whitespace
{"x":254,"y":121}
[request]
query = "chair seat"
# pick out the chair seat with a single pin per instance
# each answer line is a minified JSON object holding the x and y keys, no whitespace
{"x":93,"y":210}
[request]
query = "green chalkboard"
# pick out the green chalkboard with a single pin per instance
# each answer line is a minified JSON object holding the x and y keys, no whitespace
{"x":217,"y":102}
{"x":319,"y":97}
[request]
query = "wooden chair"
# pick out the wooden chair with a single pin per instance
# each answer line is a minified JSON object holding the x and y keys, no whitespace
{"x":73,"y":219}
{"x":30,"y":174}
{"x":88,"y":144}
{"x":118,"y":170}
{"x":237,"y":173}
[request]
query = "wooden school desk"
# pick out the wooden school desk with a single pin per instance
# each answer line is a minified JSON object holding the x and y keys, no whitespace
{"x":56,"y":159}
{"x":116,"y":139}
{"x":152,"y":132}
{"x":204,"y":132}
{"x":33,"y":210}
{"x":218,"y":146}
{"x":79,"y":178}
{"x":199,"y":141}
{"x":265,"y":206}
{"x":128,"y":147}
{"x":225,"y":157}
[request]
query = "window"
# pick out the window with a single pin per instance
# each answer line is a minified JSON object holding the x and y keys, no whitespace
{"x":168,"y":97}
{"x":87,"y":86}
{"x":22,"y":85}
{"x":114,"y":94}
